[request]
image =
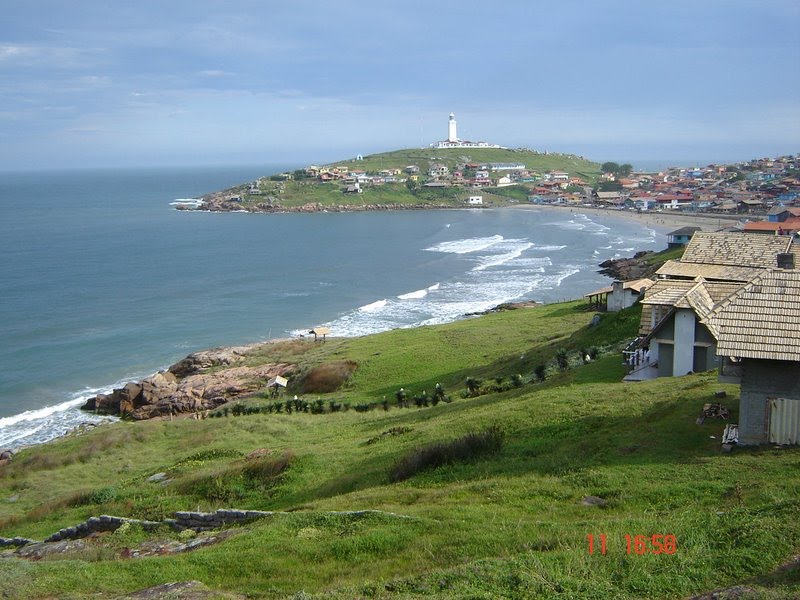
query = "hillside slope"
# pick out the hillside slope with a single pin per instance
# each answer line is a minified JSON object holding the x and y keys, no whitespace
{"x":574,"y":455}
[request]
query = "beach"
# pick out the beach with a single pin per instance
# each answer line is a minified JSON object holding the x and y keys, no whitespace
{"x":668,"y":220}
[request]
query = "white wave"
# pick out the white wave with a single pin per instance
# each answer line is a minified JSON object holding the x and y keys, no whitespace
{"x":467,"y":245}
{"x":500,"y":259}
{"x":419,"y":293}
{"x":572,"y":224}
{"x":373,"y":306}
{"x":414,"y":295}
{"x":41,"y":413}
{"x":548,"y":248}
{"x":193,"y":202}
{"x":45,"y":424}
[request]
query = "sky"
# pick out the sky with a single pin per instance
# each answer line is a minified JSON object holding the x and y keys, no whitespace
{"x":88,"y":83}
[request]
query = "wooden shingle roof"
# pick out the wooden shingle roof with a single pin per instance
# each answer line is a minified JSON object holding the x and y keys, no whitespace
{"x":737,"y":249}
{"x":637,"y":285}
{"x":689,"y":270}
{"x":700,"y":295}
{"x":762,"y":319}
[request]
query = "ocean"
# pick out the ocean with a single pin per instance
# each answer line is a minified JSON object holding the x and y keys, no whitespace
{"x":104,"y":282}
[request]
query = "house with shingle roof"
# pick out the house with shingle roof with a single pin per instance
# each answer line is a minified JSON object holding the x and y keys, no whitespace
{"x":758,"y":336}
{"x":728,"y":256}
{"x":673,"y":336}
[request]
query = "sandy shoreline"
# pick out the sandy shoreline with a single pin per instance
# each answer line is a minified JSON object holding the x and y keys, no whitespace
{"x":666,"y":221}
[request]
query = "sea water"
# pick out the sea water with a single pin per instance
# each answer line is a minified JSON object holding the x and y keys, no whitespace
{"x":104,"y":281}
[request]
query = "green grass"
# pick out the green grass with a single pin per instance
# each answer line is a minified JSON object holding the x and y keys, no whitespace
{"x":508,"y":523}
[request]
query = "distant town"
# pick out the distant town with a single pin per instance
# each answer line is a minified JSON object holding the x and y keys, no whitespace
{"x":764,"y":192}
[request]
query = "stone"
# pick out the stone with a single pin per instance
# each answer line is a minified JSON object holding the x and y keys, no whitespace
{"x":594,"y":501}
{"x":39,"y":550}
{"x":157,"y":478}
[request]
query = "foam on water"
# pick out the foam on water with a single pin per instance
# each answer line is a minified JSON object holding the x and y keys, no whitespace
{"x":466,"y":246}
{"x":499,"y":259}
{"x":419,"y":293}
{"x":45,"y":424}
{"x":374,"y":306}
{"x":506,"y":270}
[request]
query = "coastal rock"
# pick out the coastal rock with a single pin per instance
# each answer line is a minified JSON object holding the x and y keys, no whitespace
{"x":187,"y":387}
{"x":205,"y":359}
{"x":161,"y":385}
{"x":626,"y":269}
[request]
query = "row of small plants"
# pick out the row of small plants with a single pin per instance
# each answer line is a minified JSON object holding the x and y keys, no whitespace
{"x":561,"y":361}
{"x":317,"y":407}
{"x":403,"y":398}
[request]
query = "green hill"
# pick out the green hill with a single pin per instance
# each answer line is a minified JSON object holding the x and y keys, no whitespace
{"x":484,"y":494}
{"x":297,"y":191}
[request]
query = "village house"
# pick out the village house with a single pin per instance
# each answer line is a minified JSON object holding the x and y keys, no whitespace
{"x":758,"y":336}
{"x":681,"y":237}
{"x":673,"y":339}
{"x":787,"y":227}
{"x":618,"y":295}
{"x":438,"y":171}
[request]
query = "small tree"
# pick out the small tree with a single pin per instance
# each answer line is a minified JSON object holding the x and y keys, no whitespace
{"x":438,"y":394}
{"x":540,"y":372}
{"x":562,"y":358}
{"x":473,"y":385}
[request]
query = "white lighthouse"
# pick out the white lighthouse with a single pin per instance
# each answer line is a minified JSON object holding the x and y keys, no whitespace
{"x":451,"y":129}
{"x":452,"y":140}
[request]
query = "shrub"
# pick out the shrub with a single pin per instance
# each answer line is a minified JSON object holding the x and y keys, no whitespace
{"x":238,"y":481}
{"x":101,"y":496}
{"x":437,"y":454}
{"x":473,"y":386}
{"x":562,"y":359}
{"x":327,"y":377}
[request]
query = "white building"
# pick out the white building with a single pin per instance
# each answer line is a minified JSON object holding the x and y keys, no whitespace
{"x":452,"y":140}
{"x":452,"y":134}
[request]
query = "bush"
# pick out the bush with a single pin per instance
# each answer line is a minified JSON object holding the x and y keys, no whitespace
{"x":327,"y":377}
{"x":435,"y":455}
{"x":254,"y":476}
{"x":562,"y":359}
{"x":473,"y":386}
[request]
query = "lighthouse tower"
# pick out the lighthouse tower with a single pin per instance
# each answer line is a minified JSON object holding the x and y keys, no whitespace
{"x":451,"y":129}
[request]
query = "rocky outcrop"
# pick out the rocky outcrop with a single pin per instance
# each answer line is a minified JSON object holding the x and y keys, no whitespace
{"x":215,"y":203}
{"x":627,"y":269}
{"x":200,"y":382}
{"x":206,"y":359}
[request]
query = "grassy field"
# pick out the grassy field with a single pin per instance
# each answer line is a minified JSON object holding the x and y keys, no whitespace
{"x":507,"y":519}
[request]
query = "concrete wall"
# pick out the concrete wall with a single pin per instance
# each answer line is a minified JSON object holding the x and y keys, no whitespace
{"x":762,"y":379}
{"x":683,"y":358}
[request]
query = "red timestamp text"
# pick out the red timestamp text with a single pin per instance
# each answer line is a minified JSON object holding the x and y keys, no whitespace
{"x":657,"y":543}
